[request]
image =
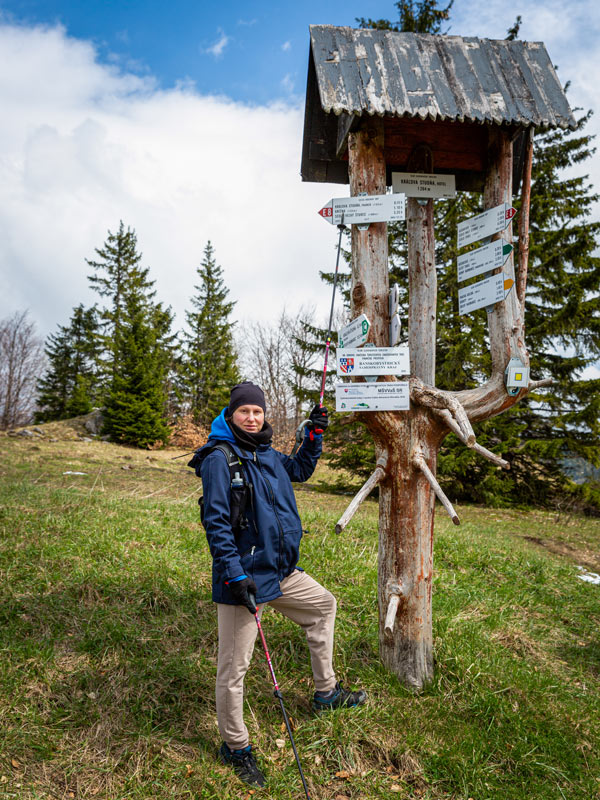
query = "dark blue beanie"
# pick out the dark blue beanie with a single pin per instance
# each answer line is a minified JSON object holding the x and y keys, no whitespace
{"x":245,"y":394}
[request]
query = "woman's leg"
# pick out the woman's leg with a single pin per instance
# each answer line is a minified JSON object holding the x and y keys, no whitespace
{"x":312,"y":607}
{"x":237,"y":634}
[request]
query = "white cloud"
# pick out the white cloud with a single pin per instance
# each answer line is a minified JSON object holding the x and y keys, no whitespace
{"x":287,"y":83}
{"x":570,"y":33}
{"x":286,"y":46}
{"x":219,"y":46}
{"x":83,"y":145}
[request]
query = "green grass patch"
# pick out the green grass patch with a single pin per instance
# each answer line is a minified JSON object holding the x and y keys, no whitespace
{"x":108,"y":647}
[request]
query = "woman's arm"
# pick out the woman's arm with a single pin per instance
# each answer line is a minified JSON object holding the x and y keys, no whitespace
{"x":216,"y":485}
{"x":302,"y":465}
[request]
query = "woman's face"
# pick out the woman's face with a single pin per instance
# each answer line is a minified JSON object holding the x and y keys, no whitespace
{"x":249,"y":418}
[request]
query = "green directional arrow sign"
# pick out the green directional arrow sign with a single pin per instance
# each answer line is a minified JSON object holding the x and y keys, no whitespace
{"x":507,"y":249}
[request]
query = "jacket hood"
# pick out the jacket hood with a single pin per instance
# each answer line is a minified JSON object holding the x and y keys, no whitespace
{"x":220,"y":430}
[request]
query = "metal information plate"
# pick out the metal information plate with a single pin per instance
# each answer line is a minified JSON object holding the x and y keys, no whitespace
{"x":487,"y":224}
{"x":355,"y":333}
{"x":373,"y":361}
{"x":365,"y":209}
{"x":479,"y":295}
{"x":484,"y":259}
{"x":372,"y":396}
{"x":418,"y":184}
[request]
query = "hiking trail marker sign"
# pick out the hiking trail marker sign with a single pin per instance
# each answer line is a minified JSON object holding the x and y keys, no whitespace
{"x":365,"y":209}
{"x":355,"y":333}
{"x":484,"y":259}
{"x":388,"y":396}
{"x":373,"y":361}
{"x":484,"y":293}
{"x":490,"y":222}
{"x":418,"y":184}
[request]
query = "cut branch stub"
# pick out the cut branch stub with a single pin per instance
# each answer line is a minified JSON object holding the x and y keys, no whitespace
{"x":395,"y":592}
{"x":419,"y":462}
{"x":376,"y":477}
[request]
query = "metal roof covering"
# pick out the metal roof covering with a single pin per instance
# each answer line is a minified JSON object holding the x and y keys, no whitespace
{"x":462,"y":79}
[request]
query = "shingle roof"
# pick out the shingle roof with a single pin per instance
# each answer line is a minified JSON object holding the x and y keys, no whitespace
{"x":463,"y":79}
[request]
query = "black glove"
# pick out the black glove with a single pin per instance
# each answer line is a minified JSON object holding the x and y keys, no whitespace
{"x":241,"y":591}
{"x":318,"y":419}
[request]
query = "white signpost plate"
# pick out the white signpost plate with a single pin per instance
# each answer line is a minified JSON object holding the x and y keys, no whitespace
{"x":478,"y":295}
{"x":373,"y":361}
{"x":365,"y":209}
{"x":417,"y":184}
{"x":372,"y":396}
{"x":484,"y":259}
{"x":490,"y":222}
{"x":355,"y":333}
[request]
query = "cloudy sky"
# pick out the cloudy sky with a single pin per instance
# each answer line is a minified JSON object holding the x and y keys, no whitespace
{"x":185,"y":121}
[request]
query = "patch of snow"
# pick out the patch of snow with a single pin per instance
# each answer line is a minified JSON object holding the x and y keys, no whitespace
{"x":589,"y":577}
{"x":70,"y":472}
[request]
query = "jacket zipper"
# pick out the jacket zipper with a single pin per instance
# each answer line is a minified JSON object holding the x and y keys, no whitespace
{"x":272,"y":498}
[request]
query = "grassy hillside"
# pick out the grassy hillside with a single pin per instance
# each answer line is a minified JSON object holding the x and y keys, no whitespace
{"x":108,"y":647}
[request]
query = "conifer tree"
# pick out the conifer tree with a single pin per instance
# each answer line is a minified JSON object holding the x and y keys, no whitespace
{"x":562,"y":324}
{"x":137,"y":343}
{"x":209,"y":360}
{"x":135,"y":403}
{"x":70,"y":386}
{"x":117,"y":273}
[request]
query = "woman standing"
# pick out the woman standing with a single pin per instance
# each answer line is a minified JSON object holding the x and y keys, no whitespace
{"x":254,"y":537}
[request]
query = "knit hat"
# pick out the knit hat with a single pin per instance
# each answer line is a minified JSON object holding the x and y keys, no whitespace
{"x":245,"y":394}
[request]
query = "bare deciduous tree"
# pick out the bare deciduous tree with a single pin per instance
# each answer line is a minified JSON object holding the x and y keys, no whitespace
{"x":21,"y":364}
{"x":277,"y":356}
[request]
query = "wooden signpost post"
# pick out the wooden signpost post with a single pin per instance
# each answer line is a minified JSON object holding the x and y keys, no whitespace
{"x":367,"y":138}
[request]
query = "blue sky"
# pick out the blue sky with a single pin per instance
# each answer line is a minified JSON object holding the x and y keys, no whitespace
{"x":253,"y":51}
{"x":185,"y":120}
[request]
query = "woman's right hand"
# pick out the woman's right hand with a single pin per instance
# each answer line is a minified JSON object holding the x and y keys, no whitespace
{"x":241,"y":591}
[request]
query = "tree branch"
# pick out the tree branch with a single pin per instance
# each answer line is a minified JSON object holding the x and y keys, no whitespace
{"x":476,"y":447}
{"x":419,"y":462}
{"x":376,"y":477}
{"x":434,"y":398}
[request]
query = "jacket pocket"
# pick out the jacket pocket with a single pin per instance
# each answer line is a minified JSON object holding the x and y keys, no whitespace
{"x":247,"y":560}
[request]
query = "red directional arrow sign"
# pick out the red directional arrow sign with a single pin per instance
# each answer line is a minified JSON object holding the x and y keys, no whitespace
{"x":483,"y":225}
{"x":364,"y":209}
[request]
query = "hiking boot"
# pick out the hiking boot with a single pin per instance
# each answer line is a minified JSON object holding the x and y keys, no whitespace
{"x":243,"y":763}
{"x":338,"y":698}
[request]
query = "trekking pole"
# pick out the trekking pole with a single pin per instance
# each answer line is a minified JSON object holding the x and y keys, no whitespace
{"x":341,"y":228}
{"x":278,"y":694}
{"x":300,"y":428}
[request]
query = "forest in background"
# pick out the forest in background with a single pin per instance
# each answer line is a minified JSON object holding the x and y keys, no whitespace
{"x":123,"y":356}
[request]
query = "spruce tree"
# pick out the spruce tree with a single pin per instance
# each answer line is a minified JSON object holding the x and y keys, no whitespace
{"x":209,"y":368}
{"x":70,"y":386}
{"x":137,"y":343}
{"x":562,"y":325}
{"x":135,"y":403}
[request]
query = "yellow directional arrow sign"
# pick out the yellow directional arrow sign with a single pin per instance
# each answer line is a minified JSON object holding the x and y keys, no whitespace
{"x":508,"y":284}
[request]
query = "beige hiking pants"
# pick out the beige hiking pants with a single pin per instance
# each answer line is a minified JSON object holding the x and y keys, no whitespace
{"x":305,"y":602}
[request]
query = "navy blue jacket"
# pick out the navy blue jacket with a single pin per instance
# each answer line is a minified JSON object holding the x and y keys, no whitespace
{"x":268,"y":549}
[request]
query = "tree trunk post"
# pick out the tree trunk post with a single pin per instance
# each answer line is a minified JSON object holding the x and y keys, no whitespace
{"x":406,"y":500}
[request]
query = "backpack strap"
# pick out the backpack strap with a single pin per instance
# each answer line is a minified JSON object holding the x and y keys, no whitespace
{"x":240,"y":486}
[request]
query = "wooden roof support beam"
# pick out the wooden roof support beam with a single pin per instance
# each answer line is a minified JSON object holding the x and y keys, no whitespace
{"x":524,"y":223}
